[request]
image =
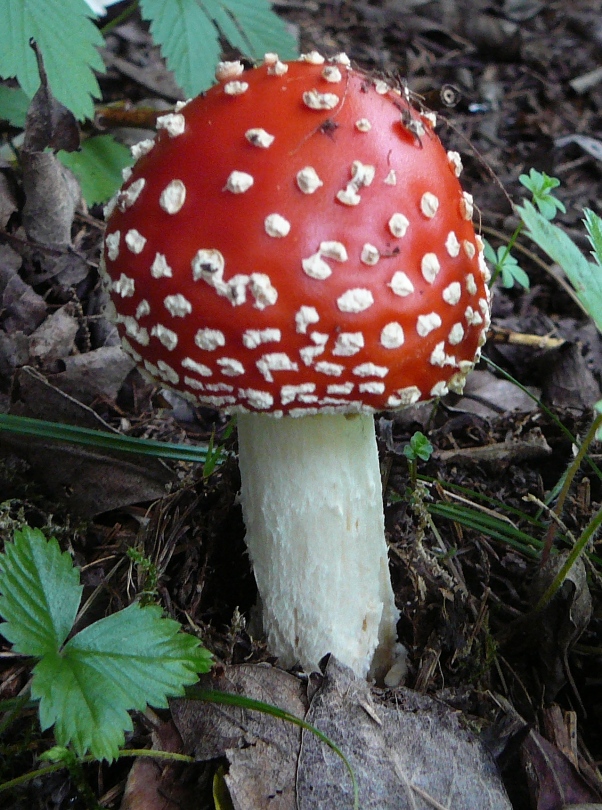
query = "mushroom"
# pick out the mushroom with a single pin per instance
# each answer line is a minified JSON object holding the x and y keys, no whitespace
{"x":295,"y":247}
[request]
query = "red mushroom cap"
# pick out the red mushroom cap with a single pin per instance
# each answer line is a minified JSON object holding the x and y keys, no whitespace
{"x":297,"y":241}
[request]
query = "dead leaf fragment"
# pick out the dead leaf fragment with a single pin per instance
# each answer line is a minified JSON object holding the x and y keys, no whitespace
{"x":160,"y":784}
{"x":98,"y":374}
{"x":55,"y":337}
{"x":261,"y":750}
{"x":410,"y":755}
{"x":553,"y":781}
{"x":21,"y":308}
{"x":48,"y":124}
{"x":8,"y":200}
{"x":557,"y":627}
{"x":87,"y":480}
{"x":51,"y":191}
{"x":418,"y":757}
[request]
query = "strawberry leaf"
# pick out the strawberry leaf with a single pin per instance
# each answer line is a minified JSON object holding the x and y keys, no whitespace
{"x":40,"y":593}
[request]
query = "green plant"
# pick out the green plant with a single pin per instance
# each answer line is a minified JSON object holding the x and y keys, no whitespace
{"x":584,"y":275}
{"x":150,"y":575}
{"x":419,"y":447}
{"x":503,"y":262}
{"x":187,"y":31}
{"x":86,"y":683}
{"x":103,"y":440}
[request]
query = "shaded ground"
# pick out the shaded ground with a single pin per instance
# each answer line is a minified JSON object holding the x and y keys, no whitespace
{"x":527,"y":75}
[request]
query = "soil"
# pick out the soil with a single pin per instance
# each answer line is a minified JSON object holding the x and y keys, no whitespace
{"x":525,"y":81}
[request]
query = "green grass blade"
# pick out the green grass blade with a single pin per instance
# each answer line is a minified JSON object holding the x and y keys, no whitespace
{"x":101,"y":439}
{"x":487,"y":524}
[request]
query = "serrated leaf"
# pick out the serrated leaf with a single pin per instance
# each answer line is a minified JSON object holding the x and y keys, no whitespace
{"x":188,"y":41}
{"x":123,"y":662}
{"x":40,"y":593}
{"x":593,"y":224}
{"x":252,"y":27}
{"x":97,"y":166}
{"x":13,"y":106}
{"x":67,"y":39}
{"x":178,"y":26}
{"x":585,"y":276}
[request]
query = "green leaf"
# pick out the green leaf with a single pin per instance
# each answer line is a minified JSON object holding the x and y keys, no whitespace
{"x":252,"y":27}
{"x":188,"y":40}
{"x":102,"y":440}
{"x":418,"y":448}
{"x":585,"y":276}
{"x":40,"y":593}
{"x":188,"y":33}
{"x":125,"y":661}
{"x":504,"y":262}
{"x":593,"y":225}
{"x":512,"y":273}
{"x":540,"y":185}
{"x":67,"y":39}
{"x":13,"y":106}
{"x":97,"y":166}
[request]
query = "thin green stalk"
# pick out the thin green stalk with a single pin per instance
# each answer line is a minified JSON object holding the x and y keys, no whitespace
{"x":130,"y":752}
{"x":568,"y":480}
{"x":510,"y":244}
{"x":122,"y":17}
{"x":575,"y":552}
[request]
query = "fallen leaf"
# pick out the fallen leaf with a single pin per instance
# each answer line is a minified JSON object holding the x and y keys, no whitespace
{"x":55,"y":337}
{"x":86,"y":480}
{"x":261,"y":750}
{"x":98,"y":374}
{"x":553,"y":781}
{"x":556,"y":628}
{"x":412,"y":752}
{"x":415,"y":755}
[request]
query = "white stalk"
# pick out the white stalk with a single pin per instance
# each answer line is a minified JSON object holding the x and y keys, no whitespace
{"x":312,"y":505}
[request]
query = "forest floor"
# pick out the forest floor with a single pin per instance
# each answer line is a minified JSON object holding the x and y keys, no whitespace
{"x":529,"y":84}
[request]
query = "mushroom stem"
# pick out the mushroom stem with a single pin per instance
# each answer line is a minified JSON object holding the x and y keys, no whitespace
{"x":312,"y":505}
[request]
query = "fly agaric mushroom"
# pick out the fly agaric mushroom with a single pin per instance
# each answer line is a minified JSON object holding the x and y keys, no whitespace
{"x":295,"y":247}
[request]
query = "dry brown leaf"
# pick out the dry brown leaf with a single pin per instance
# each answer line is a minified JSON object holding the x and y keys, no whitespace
{"x":87,"y":480}
{"x":553,"y":781}
{"x":262,"y":751}
{"x":415,"y":754}
{"x":558,"y":626}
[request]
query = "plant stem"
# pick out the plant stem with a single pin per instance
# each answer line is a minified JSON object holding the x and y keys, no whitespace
{"x":575,"y":552}
{"x":568,"y":480}
{"x":132,"y":752}
{"x":498,"y":268}
{"x":122,"y":17}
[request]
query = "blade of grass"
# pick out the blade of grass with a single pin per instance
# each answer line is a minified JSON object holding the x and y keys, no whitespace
{"x":497,"y":529}
{"x":492,"y":527}
{"x":575,"y":552}
{"x":100,"y":439}
{"x":493,"y":504}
